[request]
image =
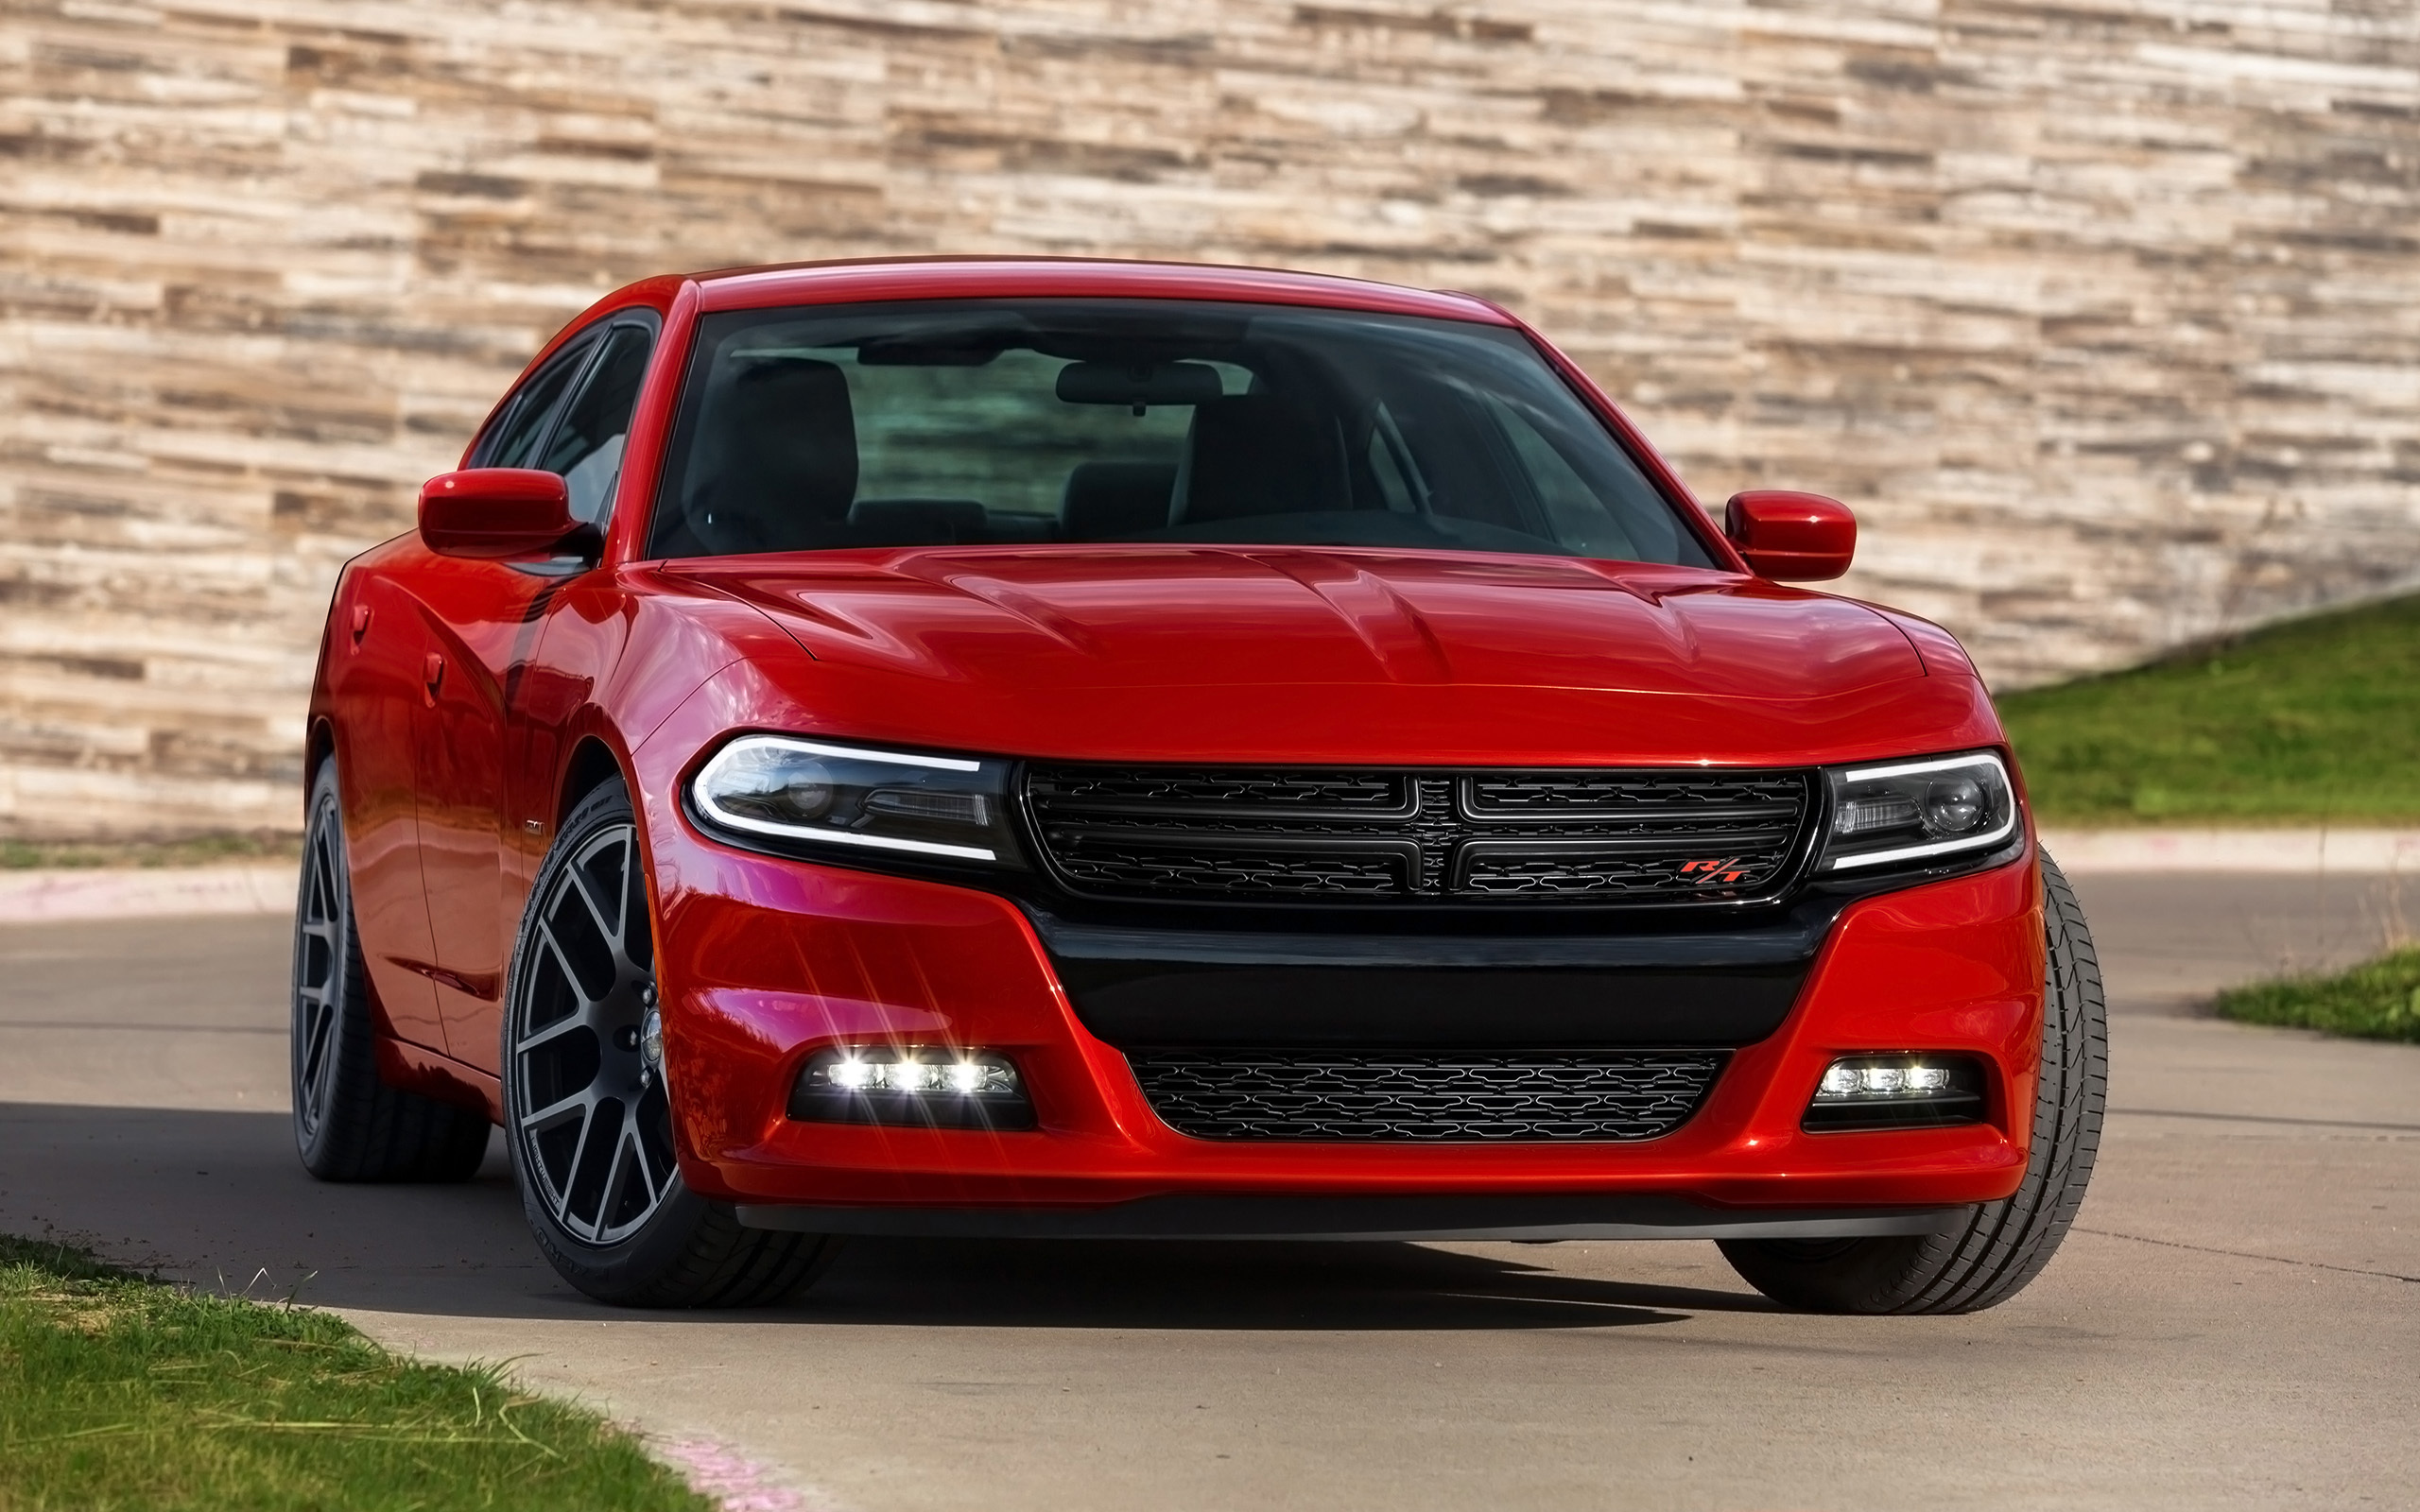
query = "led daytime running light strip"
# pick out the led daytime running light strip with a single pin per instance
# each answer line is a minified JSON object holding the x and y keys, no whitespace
{"x":854,"y":754}
{"x":702,"y":788}
{"x":1937,"y":847}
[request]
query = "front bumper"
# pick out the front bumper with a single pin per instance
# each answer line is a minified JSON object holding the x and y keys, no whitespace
{"x":764,"y":961}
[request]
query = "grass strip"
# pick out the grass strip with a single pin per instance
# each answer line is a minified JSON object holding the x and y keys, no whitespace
{"x":121,"y":1393}
{"x":2377,"y":1000}
{"x":2313,"y":722}
{"x":194,"y":851}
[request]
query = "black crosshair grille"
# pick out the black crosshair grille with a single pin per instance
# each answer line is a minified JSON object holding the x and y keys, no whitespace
{"x":1342,"y":836}
{"x":1286,"y":1094}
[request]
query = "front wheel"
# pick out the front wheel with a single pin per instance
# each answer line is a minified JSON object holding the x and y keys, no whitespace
{"x":1989,"y":1255}
{"x":587,"y":1115}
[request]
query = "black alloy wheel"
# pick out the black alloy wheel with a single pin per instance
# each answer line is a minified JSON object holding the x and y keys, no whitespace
{"x":348,"y":1124}
{"x":594,"y":1126}
{"x":587,"y":1102}
{"x":1993,"y":1249}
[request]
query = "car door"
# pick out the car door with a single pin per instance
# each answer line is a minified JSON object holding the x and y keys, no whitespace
{"x":482,"y":622}
{"x":375,"y":683}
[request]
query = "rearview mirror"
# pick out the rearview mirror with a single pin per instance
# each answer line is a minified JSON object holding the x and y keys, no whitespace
{"x":495,"y":513}
{"x":1792,"y":537}
{"x":1149,"y":383}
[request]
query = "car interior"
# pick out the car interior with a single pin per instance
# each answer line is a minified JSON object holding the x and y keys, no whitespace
{"x":1096,"y":425}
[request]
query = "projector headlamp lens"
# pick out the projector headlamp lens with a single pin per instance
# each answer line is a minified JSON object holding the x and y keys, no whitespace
{"x":858,"y":800}
{"x":1919,"y":812}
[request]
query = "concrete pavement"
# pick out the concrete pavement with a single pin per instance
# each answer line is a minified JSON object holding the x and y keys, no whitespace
{"x":2235,"y":1323}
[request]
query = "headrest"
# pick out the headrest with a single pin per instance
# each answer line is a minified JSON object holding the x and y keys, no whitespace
{"x":1258,"y":454}
{"x":1112,"y":501}
{"x":778,"y":449}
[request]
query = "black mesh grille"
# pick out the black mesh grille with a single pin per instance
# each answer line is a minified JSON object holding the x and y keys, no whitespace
{"x":1286,"y":1094}
{"x":1346,"y":837}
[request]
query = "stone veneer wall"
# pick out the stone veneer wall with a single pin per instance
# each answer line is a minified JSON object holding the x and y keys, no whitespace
{"x":2104,"y":315}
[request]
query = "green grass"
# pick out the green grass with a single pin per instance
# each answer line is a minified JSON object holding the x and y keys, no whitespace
{"x":120,"y":1393}
{"x":2313,"y":722}
{"x":197,"y":851}
{"x":2377,"y":1000}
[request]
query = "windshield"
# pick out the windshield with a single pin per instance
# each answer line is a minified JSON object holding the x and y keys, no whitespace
{"x":982,"y":423}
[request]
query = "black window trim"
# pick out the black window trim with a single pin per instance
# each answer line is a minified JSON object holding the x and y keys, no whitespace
{"x":576,"y":354}
{"x":590,"y":342}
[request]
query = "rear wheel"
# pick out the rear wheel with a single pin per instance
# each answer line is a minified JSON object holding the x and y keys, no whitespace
{"x":1990,"y":1254}
{"x":588,"y":1118}
{"x":348,"y":1124}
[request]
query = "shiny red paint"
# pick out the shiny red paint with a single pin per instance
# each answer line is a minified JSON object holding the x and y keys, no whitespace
{"x":495,"y":513}
{"x":780,"y":960}
{"x":464,"y":699}
{"x":1792,"y":537}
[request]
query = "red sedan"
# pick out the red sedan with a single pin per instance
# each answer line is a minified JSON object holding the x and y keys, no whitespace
{"x":1038,"y":747}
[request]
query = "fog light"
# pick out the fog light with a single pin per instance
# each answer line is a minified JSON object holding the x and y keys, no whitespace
{"x":916,"y":1085}
{"x":1898,"y":1091}
{"x":906,"y":1076}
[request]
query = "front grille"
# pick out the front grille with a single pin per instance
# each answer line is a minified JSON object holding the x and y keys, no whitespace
{"x":1286,"y":1094}
{"x":1281,"y":834}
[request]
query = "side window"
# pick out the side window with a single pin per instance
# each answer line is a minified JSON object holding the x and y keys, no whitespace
{"x":586,"y":445}
{"x":516,"y":435}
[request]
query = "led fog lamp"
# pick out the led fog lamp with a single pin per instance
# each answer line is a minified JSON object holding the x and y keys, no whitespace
{"x":1896,"y":1091}
{"x":1918,"y":813}
{"x":919,"y":1086}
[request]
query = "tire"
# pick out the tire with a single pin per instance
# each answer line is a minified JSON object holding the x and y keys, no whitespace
{"x":348,"y":1124}
{"x":588,"y":1120}
{"x":1991,"y":1253}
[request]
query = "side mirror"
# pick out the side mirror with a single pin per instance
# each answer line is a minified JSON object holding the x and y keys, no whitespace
{"x":1792,"y":537}
{"x":494,"y":513}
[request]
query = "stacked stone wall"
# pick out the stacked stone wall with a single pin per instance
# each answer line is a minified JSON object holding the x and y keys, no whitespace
{"x":2104,"y":316}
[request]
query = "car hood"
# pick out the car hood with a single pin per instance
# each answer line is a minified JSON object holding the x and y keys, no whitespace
{"x":1200,"y":617}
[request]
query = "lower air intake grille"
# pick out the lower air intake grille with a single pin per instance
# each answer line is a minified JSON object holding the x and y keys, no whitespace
{"x":1424,"y":1098}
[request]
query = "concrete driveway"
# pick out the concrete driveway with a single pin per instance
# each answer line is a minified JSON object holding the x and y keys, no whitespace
{"x":2235,"y":1323}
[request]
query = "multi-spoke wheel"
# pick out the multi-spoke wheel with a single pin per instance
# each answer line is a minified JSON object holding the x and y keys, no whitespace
{"x":348,"y":1125}
{"x":587,"y":1104}
{"x":595,"y":1127}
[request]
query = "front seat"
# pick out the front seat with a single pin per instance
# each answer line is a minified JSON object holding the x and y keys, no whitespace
{"x":1116,"y":501}
{"x":1256,"y":454}
{"x":775,"y":461}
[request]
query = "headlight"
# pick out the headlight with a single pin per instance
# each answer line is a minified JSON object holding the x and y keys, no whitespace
{"x":948,"y":808}
{"x":1904,"y":813}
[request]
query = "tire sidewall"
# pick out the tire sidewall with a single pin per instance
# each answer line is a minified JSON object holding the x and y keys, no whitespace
{"x":344,"y":968}
{"x":1995,"y":1248}
{"x":628,"y":1265}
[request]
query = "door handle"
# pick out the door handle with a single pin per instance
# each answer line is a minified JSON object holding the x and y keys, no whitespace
{"x":433,"y":675}
{"x":360,"y":623}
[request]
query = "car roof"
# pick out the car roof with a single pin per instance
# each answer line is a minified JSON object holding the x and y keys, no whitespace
{"x":858,"y":280}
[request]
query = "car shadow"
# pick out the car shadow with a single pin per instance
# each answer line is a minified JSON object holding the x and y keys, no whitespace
{"x":1228,"y":1284}
{"x":218,"y":1201}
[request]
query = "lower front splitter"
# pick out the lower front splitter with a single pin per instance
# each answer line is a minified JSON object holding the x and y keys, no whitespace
{"x":1441,"y":1217}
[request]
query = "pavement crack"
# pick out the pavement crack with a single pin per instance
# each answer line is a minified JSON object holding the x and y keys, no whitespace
{"x":2245,"y":1254}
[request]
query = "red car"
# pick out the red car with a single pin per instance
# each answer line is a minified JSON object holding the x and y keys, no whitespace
{"x":1015,"y":747}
